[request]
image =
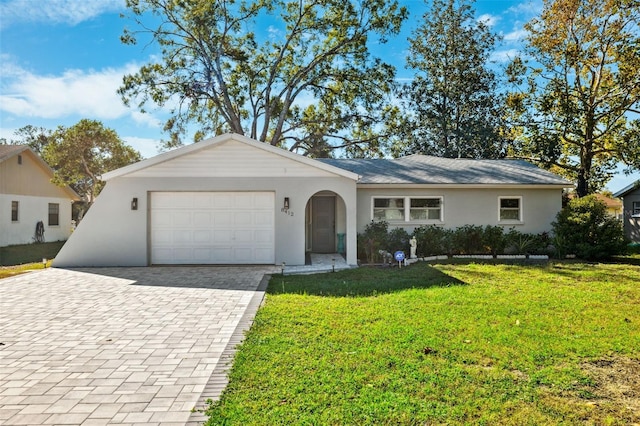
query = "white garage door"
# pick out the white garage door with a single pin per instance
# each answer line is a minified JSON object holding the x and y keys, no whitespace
{"x":212,"y":228}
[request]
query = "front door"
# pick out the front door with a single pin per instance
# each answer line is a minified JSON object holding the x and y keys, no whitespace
{"x":323,"y":224}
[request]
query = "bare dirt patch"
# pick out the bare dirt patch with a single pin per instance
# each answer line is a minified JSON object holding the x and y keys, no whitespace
{"x":617,"y":380}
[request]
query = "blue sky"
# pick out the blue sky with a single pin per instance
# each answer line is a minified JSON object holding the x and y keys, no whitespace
{"x":62,"y":60}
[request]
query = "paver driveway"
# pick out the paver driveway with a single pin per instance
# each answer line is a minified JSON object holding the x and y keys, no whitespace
{"x":120,"y":345}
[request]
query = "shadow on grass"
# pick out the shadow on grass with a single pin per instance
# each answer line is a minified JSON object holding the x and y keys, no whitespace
{"x":624,"y":260}
{"x":29,"y":253}
{"x":363,"y":281}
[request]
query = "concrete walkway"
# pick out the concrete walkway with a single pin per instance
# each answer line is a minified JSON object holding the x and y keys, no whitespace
{"x":121,"y":345}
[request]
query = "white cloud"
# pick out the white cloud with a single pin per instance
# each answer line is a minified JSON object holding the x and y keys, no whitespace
{"x":528,"y":8}
{"x":86,"y":93}
{"x":55,"y":11}
{"x":145,"y":146}
{"x":146,"y":119}
{"x":488,"y":19}
{"x":503,"y":56}
{"x":515,"y":35}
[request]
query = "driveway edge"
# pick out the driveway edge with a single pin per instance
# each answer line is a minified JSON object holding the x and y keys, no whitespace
{"x":219,"y":377}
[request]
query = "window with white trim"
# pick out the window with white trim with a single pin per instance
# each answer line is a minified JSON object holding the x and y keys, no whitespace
{"x":510,"y":209}
{"x":635,"y":209}
{"x":388,"y":209}
{"x":407,"y":209}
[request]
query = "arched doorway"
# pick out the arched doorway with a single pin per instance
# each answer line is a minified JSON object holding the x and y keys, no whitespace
{"x":325,"y":223}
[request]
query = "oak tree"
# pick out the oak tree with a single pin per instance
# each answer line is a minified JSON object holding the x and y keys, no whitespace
{"x":305,"y":82}
{"x":579,"y":91}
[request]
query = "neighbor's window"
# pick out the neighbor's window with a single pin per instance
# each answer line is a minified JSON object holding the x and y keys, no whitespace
{"x":510,"y":208}
{"x":407,"y":209}
{"x":54,"y":214}
{"x":14,"y":211}
{"x":636,"y":209}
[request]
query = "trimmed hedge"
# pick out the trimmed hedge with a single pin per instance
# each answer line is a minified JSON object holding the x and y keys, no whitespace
{"x":434,"y":240}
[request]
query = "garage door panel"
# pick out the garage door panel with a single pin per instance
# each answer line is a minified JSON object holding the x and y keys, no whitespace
{"x":212,"y":228}
{"x":263,"y":218}
{"x":243,"y":219}
{"x":202,"y":236}
{"x":263,"y":237}
{"x":161,"y":219}
{"x":202,"y":219}
{"x":222,"y":200}
{"x":222,"y":219}
{"x":162,"y":236}
{"x":182,"y":218}
{"x":243,"y":237}
{"x":202,"y":255}
{"x":202,"y":200}
{"x":222,"y":254}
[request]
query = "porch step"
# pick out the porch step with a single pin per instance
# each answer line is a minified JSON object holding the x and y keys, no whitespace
{"x":320,"y":262}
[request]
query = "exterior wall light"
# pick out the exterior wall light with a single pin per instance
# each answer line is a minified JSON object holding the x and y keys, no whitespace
{"x":134,"y":204}
{"x":286,"y":203}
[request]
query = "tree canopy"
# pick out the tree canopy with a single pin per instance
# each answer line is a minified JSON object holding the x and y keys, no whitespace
{"x":311,"y":85}
{"x":36,"y":138}
{"x":453,"y":106}
{"x":579,"y":94}
{"x":81,"y":153}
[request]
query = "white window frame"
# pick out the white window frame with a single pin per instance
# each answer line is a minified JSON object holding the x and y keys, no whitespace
{"x":520,"y":209}
{"x":635,"y":209}
{"x":406,"y":208}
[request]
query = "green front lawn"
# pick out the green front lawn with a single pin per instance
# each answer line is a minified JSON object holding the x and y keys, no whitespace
{"x":25,"y":257}
{"x":443,"y":344}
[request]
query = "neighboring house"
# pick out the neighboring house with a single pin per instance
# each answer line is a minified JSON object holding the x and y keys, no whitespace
{"x":631,"y":206}
{"x":614,"y":205}
{"x":27,"y":197}
{"x":234,"y":200}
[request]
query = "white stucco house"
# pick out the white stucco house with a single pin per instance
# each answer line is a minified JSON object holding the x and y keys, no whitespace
{"x":27,"y":197}
{"x":234,"y":200}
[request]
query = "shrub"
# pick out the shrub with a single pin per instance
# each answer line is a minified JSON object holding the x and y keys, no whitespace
{"x":398,"y":239}
{"x":493,"y":240}
{"x":432,"y":240}
{"x":372,"y":240}
{"x":468,"y":239}
{"x":584,"y":229}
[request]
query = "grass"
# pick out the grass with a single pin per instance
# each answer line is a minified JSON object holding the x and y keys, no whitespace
{"x":443,"y":344}
{"x":18,"y":259}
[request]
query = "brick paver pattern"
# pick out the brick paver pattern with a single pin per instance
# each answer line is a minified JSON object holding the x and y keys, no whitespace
{"x":117,"y":345}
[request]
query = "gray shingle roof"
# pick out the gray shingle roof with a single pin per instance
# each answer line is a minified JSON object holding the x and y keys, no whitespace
{"x":425,"y":169}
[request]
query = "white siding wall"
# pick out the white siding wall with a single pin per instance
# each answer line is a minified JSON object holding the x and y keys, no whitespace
{"x":31,"y":210}
{"x":111,"y":234}
{"x":473,"y":206}
{"x":231,"y":159}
